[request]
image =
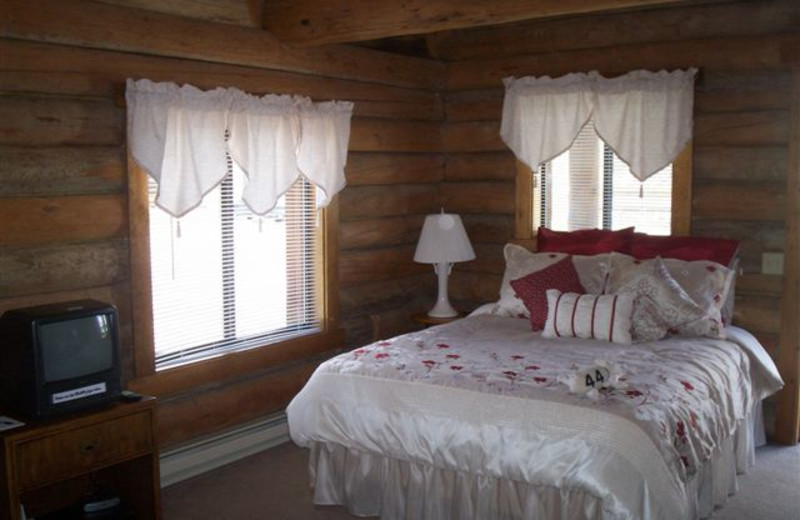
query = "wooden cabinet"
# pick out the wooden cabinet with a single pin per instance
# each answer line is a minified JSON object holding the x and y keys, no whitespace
{"x":54,"y":464}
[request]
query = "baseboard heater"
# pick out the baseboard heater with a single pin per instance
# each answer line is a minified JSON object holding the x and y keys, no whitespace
{"x":210,"y":453}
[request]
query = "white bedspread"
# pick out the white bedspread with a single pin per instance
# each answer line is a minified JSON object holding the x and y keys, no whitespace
{"x":484,"y":395}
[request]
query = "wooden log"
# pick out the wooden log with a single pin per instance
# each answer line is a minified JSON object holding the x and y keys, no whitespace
{"x":378,"y":264}
{"x":44,"y":121}
{"x":787,"y":427}
{"x":108,"y":294}
{"x":760,"y":284}
{"x":489,"y":166}
{"x":763,"y":52}
{"x":760,"y":128}
{"x":474,"y":105}
{"x":361,"y":298}
{"x":62,"y":268}
{"x":235,"y":12}
{"x":381,"y":168}
{"x":381,"y":232}
{"x":82,"y":23}
{"x":488,"y":259}
{"x":742,"y":80}
{"x":758,"y":312}
{"x":741,"y":164}
{"x":761,"y":202}
{"x":474,"y":287}
{"x":489,"y":229}
{"x":742,"y":100}
{"x":211,"y":410}
{"x":33,"y":221}
{"x":478,"y":197}
{"x":740,"y":19}
{"x":307,"y":22}
{"x":58,"y":69}
{"x":377,"y":201}
{"x":472,"y":136}
{"x":382,"y":135}
{"x":61,"y":170}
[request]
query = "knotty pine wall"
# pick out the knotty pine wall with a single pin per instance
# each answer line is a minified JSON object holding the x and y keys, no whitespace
{"x":63,"y":190}
{"x":741,"y":133}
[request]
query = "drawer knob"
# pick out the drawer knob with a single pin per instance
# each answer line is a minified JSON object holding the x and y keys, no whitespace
{"x":87,"y":446}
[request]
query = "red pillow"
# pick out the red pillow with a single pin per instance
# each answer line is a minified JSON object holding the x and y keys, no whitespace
{"x":719,"y":250}
{"x":585,"y":241}
{"x":532,"y":288}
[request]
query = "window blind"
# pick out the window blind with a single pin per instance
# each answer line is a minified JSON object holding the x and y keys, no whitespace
{"x":225,"y":279}
{"x":589,"y":186}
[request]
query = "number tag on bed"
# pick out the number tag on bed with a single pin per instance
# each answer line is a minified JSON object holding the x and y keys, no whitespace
{"x":590,"y":380}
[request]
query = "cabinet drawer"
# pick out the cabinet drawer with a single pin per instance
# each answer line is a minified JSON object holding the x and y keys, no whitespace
{"x":74,"y":451}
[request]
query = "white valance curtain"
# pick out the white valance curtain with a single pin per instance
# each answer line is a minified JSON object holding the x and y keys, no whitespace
{"x":645,"y":117}
{"x":184,"y":137}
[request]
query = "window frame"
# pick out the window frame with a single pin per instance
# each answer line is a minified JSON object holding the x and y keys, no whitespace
{"x":180,"y":378}
{"x":681,"y":216}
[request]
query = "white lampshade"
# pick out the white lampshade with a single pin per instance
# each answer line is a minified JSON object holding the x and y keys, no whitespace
{"x":443,"y":239}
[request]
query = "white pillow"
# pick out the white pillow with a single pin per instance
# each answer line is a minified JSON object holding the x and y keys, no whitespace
{"x":661,"y":305}
{"x":520,"y":262}
{"x":592,"y":271}
{"x":707,"y":284}
{"x":589,"y":316}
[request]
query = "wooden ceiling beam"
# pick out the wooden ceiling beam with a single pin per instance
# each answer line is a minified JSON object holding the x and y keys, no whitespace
{"x":246,"y":13}
{"x":312,"y":22}
{"x":82,"y":23}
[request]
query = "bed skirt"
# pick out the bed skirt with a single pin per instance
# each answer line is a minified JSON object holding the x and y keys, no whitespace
{"x":373,"y":485}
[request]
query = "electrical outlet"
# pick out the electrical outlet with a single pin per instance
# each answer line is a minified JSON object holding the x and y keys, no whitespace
{"x":772,"y":263}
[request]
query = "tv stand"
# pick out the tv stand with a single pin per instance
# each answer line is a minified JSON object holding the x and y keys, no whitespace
{"x":54,"y":464}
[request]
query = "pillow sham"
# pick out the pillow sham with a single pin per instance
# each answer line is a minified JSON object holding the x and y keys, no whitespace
{"x":520,"y":262}
{"x":589,"y":316}
{"x":719,"y":250}
{"x":660,"y":304}
{"x":532,"y":288}
{"x":707,"y":284}
{"x":584,"y":241}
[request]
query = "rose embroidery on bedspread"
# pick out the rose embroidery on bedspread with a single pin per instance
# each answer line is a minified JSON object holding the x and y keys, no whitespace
{"x":675,"y":408}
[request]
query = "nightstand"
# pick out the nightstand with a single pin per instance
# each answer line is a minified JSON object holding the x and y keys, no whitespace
{"x":50,"y":465}
{"x":423,"y":319}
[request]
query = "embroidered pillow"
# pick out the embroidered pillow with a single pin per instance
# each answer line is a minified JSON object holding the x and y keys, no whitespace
{"x":707,"y":284}
{"x":520,"y":262}
{"x":532,"y":288}
{"x":605,"y":317}
{"x":584,"y":241}
{"x":592,"y":270}
{"x":660,"y":304}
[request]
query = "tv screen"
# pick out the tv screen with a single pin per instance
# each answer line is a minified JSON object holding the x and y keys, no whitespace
{"x":73,"y":348}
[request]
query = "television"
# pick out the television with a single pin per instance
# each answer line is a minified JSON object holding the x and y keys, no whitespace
{"x":59,"y":358}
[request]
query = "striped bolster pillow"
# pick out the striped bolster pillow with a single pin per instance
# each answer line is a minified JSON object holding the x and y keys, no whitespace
{"x":605,"y":317}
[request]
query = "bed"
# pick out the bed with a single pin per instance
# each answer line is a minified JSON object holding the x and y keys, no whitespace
{"x":484,"y":418}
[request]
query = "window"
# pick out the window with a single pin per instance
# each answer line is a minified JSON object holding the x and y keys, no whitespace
{"x":588,"y":186}
{"x":225,"y":279}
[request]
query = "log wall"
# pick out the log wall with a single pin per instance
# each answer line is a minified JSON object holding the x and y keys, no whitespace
{"x":63,"y":180}
{"x":741,"y":138}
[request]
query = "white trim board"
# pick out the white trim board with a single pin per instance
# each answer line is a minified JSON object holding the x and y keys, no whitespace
{"x":198,"y":457}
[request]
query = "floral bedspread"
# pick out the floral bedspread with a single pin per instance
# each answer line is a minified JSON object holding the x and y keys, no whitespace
{"x":686,"y":395}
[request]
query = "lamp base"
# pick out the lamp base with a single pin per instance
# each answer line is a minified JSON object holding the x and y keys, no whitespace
{"x":443,"y":309}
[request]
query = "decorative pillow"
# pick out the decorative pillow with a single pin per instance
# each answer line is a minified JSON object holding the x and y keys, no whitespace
{"x":730,"y":300}
{"x":660,"y":304}
{"x":589,"y":316}
{"x":584,"y":241}
{"x":532,"y":288}
{"x":707,"y":284}
{"x":721,"y":251}
{"x":520,"y":262}
{"x":592,"y":270}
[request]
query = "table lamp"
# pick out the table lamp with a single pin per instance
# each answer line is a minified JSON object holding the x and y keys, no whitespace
{"x":442,"y":242}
